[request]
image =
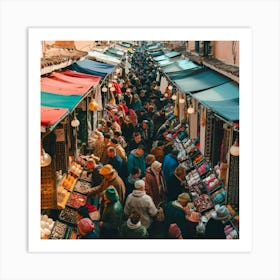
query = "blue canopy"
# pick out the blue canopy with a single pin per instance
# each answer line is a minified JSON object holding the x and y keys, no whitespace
{"x":60,"y":101}
{"x":157,"y":53}
{"x":179,"y":65}
{"x":223,"y":100}
{"x":153,"y":47}
{"x":92,"y":67}
{"x":185,"y":73}
{"x":167,"y":55}
{"x":201,"y":81}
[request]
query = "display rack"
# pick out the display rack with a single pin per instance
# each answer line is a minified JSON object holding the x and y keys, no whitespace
{"x":204,"y":186}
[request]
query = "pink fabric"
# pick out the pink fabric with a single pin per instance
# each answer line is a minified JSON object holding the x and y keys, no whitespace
{"x":50,"y":116}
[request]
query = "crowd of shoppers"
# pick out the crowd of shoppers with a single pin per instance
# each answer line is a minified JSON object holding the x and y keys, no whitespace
{"x":138,"y":185}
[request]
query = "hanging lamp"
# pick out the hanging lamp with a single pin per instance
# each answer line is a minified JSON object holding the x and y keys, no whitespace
{"x":75,"y":122}
{"x":45,"y":158}
{"x":234,"y":149}
{"x":104,"y":89}
{"x":190,"y":109}
{"x":93,"y":105}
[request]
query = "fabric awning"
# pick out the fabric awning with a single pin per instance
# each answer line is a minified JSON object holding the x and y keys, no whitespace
{"x":157,"y":53}
{"x":92,"y":67}
{"x":167,"y":55}
{"x":114,"y":52}
{"x":51,"y":116}
{"x":124,"y":44}
{"x":103,"y":58}
{"x":223,"y":100}
{"x":68,"y":83}
{"x":179,"y":65}
{"x":153,"y":47}
{"x":184,"y":73}
{"x":165,"y":62}
{"x":201,"y":81}
{"x":60,"y":101}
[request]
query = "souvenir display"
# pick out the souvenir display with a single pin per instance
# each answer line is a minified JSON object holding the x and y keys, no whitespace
{"x":68,"y":215}
{"x":76,"y":200}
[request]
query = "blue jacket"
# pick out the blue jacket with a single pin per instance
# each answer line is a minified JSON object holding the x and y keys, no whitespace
{"x":169,"y":165}
{"x":134,"y":160}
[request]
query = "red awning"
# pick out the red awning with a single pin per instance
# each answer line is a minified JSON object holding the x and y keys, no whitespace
{"x":50,"y":116}
{"x":68,"y":83}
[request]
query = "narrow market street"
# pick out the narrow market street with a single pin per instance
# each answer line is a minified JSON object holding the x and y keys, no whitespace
{"x":139,"y":140}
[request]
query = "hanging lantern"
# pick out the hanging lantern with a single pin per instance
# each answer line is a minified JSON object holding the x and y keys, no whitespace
{"x":234,"y":149}
{"x":174,"y":97}
{"x":170,"y":87}
{"x":93,"y":105}
{"x":45,"y":158}
{"x":75,"y":122}
{"x":190,"y":109}
{"x":104,"y":89}
{"x":182,"y":100}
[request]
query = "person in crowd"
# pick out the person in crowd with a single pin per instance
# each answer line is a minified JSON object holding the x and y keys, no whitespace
{"x":111,"y":214}
{"x":133,"y":117}
{"x":142,"y":115}
{"x":159,"y":119}
{"x":97,"y":143}
{"x":82,"y":212}
{"x":169,"y":165}
{"x":139,"y":201}
{"x":128,"y":98}
{"x":137,"y":158}
{"x":115,"y":160}
{"x":146,"y":134}
{"x":134,"y":175}
{"x":121,"y":140}
{"x":149,"y":159}
{"x":174,"y":232}
{"x":86,"y":229}
{"x":158,"y":151}
{"x":175,"y":184}
{"x":155,"y":183}
{"x":119,"y":149}
{"x":137,"y":103}
{"x":216,"y":224}
{"x":107,"y":129}
{"x":115,"y":127}
{"x":93,"y":168}
{"x":111,"y":178}
{"x":132,"y":228}
{"x":135,"y":142}
{"x":123,"y":108}
{"x":104,"y":156}
{"x":192,"y":222}
{"x":142,"y":96}
{"x":126,"y":127}
{"x":175,"y":213}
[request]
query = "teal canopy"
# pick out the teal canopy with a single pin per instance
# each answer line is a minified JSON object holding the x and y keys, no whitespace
{"x":114,"y":52}
{"x":223,"y":100}
{"x":157,"y":53}
{"x":153,"y":47}
{"x":179,"y":65}
{"x":201,"y":81}
{"x":165,"y":62}
{"x":185,"y":73}
{"x":60,"y":101}
{"x":167,"y":56}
